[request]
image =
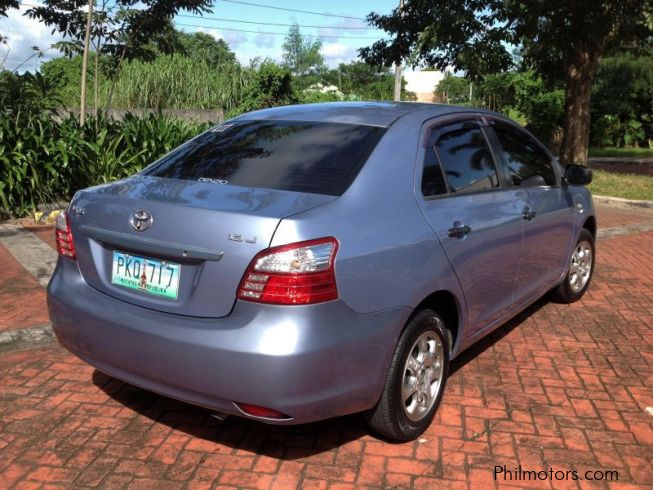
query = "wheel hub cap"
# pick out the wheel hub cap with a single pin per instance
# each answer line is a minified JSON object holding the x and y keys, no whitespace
{"x":580,"y":267}
{"x":422,"y":376}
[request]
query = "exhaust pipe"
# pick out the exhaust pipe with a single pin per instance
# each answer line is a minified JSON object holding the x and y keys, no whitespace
{"x":221,"y":416}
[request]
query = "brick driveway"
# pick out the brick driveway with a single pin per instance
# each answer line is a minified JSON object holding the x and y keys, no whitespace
{"x":561,"y":387}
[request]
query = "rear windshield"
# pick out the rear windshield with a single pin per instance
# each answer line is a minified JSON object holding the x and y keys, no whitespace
{"x":315,"y":157}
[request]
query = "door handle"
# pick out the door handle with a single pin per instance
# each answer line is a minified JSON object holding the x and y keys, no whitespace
{"x":459,"y":230}
{"x":528,"y":213}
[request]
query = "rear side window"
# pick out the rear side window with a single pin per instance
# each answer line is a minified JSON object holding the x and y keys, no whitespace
{"x":433,"y":183}
{"x":314,"y":157}
{"x":467,"y":161}
{"x":528,"y":164}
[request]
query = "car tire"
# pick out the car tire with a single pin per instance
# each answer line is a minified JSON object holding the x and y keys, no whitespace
{"x":419,"y":366}
{"x":579,"y":270}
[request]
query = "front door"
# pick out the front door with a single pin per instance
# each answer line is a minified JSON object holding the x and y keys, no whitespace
{"x":546,"y":210}
{"x":474,"y":216}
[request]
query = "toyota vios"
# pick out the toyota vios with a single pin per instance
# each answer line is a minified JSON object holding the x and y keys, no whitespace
{"x":306,"y":262}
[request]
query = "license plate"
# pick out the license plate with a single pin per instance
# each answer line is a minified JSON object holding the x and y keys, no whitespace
{"x":152,"y":276}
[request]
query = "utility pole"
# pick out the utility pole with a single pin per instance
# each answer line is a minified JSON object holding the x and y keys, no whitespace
{"x":397,"y":96}
{"x":87,"y":42}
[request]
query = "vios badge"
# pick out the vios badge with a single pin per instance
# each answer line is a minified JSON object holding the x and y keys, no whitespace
{"x":141,"y":220}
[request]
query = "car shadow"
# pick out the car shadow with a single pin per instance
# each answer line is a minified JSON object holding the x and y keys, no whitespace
{"x":281,"y":442}
{"x":489,"y":340}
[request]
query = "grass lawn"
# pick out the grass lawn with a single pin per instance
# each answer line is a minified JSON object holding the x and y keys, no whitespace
{"x":628,"y":186}
{"x":621,"y":152}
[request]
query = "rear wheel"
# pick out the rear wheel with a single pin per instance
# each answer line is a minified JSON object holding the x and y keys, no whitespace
{"x":416,"y":381}
{"x":579,"y":272}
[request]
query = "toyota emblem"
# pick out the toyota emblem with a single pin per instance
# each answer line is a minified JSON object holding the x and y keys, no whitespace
{"x":141,"y":220}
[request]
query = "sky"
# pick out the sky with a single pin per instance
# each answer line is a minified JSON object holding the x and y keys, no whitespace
{"x":338,"y":44}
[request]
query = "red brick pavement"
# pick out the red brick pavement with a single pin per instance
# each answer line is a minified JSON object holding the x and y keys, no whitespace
{"x":562,"y":386}
{"x":22,"y":299}
{"x":609,"y":216}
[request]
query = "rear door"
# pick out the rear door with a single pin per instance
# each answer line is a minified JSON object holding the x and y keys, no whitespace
{"x":545,"y":209}
{"x":473,"y":214}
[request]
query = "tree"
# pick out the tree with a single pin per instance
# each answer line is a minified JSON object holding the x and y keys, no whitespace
{"x":561,"y":39}
{"x":455,"y":89}
{"x":302,"y":56}
{"x":622,"y":101}
{"x":269,"y":85}
{"x":6,"y":5}
{"x":200,"y":46}
{"x":123,"y":32}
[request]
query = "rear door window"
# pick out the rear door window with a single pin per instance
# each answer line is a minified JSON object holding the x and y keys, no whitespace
{"x":527,"y":163}
{"x":312,"y":157}
{"x":466,"y":160}
{"x":433,"y":183}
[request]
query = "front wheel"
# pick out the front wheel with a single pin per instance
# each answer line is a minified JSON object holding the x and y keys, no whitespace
{"x":416,"y":381}
{"x":579,"y":272}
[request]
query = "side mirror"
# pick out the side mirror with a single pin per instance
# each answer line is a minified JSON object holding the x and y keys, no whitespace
{"x":578,"y":175}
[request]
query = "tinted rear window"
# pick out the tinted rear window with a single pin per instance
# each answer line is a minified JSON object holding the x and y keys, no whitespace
{"x":315,"y":157}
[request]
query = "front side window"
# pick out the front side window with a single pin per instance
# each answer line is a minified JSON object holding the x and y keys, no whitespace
{"x":299,"y":156}
{"x":467,"y":161}
{"x":528,"y":164}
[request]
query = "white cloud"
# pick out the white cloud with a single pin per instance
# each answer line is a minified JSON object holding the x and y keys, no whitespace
{"x":263,"y":40}
{"x":336,"y":53}
{"x":233,"y":38}
{"x":336,"y":28}
{"x":22,"y":33}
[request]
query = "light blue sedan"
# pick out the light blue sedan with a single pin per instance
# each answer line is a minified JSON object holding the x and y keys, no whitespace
{"x":306,"y":262}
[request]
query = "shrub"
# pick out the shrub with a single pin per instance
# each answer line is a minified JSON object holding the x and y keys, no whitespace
{"x":268,"y":85}
{"x":177,"y":82}
{"x":48,"y":160}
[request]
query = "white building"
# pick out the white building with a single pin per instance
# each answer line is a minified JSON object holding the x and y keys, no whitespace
{"x":423,"y":83}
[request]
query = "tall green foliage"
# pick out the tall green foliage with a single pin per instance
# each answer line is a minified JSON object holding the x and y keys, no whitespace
{"x":622,"y":102}
{"x":45,"y":158}
{"x":179,"y":82}
{"x":268,"y":85}
{"x":50,"y":160}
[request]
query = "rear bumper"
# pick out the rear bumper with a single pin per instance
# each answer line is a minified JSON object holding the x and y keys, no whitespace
{"x":310,"y":362}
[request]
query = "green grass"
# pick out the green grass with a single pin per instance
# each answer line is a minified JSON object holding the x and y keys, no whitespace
{"x":628,"y":186}
{"x":612,"y":151}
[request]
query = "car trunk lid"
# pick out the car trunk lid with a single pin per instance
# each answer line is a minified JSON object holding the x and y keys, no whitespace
{"x":211,"y":231}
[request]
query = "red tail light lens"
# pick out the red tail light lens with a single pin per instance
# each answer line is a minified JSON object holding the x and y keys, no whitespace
{"x":257,"y":411}
{"x":299,"y":273}
{"x":64,"y":237}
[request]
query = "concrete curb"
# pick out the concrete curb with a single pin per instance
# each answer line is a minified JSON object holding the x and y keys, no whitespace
{"x":26,"y":338}
{"x":619,"y":201}
{"x":625,"y":230}
{"x":623,"y":160}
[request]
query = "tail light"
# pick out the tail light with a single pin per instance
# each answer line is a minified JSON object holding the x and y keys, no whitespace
{"x":262,"y":412}
{"x":299,"y":273}
{"x":64,"y":237}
